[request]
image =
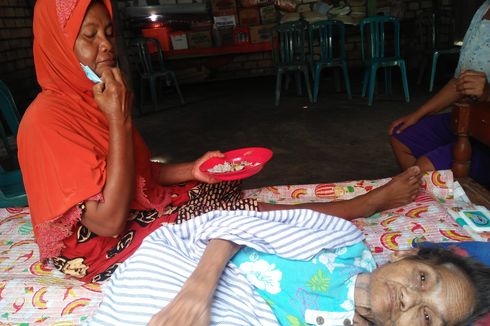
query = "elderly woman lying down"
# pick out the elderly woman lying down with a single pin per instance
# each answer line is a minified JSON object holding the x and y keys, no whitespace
{"x":291,"y":267}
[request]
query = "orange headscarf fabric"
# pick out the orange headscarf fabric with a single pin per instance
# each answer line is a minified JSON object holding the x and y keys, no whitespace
{"x":63,"y":138}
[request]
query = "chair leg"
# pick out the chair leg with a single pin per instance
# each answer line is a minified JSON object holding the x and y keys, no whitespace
{"x":307,"y":83}
{"x":278,"y":86}
{"x":299,"y":89}
{"x":177,"y":88}
{"x":403,"y":70}
{"x":366,"y":81}
{"x":153,"y":91}
{"x":435,"y":56}
{"x":347,"y":80}
{"x":422,"y":69}
{"x":142,"y":95}
{"x":388,"y":80}
{"x":336,"y":80}
{"x":372,"y":83}
{"x":316,"y":82}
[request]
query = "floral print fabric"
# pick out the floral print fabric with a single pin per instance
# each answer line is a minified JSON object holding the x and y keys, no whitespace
{"x":291,"y":287}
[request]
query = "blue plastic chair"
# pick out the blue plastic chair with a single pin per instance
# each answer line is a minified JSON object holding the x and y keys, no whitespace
{"x":376,"y":54}
{"x":151,"y":71}
{"x":288,"y":55}
{"x":331,"y":39}
{"x":436,"y":30}
{"x":12,"y":192}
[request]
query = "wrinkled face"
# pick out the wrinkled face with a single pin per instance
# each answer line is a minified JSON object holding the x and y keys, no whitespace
{"x":414,"y":293}
{"x":95,"y":44}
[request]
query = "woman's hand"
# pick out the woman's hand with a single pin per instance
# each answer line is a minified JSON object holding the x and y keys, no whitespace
{"x":200,"y":176}
{"x":403,"y":123}
{"x":113,"y":97}
{"x":190,"y":307}
{"x":473,"y":83}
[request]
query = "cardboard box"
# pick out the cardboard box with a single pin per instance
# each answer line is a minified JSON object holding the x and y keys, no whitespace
{"x":200,"y":39}
{"x":249,"y":16}
{"x":223,"y":7}
{"x":224,"y":22}
{"x":179,"y":40}
{"x":268,"y":14}
{"x":260,"y":33}
{"x":223,"y":37}
{"x":241,"y":35}
{"x":160,"y":33}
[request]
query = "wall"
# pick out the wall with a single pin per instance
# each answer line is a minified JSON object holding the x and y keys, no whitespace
{"x":258,"y":64}
{"x":16,"y":60}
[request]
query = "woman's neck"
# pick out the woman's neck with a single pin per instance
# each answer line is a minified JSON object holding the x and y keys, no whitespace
{"x":362,"y":297}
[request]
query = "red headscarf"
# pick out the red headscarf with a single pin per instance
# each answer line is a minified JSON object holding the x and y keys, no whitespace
{"x":63,"y":137}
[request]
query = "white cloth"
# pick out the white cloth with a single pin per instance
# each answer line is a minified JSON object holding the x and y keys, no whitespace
{"x":152,"y":277}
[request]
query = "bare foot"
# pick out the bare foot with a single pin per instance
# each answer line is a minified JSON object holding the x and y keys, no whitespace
{"x":401,"y":190}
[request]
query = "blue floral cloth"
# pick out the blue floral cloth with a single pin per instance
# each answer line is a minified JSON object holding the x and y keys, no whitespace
{"x":475,"y":52}
{"x":322,"y":286}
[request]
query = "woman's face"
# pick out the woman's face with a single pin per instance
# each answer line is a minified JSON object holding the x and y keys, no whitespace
{"x":414,"y":293}
{"x":95,"y":43}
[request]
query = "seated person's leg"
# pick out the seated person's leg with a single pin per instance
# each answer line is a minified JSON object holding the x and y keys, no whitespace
{"x":413,"y":143}
{"x":401,"y":190}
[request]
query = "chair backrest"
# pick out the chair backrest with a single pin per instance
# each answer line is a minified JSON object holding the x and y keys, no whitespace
{"x":12,"y":192}
{"x":146,"y":62}
{"x":331,"y":38}
{"x":435,"y":29}
{"x":8,"y":109}
{"x":288,"y":43}
{"x":376,"y":34}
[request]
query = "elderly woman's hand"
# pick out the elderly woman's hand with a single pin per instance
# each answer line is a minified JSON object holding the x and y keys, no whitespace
{"x":113,"y":97}
{"x":473,"y":83}
{"x":200,"y":176}
{"x":191,"y":307}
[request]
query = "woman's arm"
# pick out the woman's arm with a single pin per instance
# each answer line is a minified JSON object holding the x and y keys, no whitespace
{"x":444,"y":98}
{"x":173,"y":173}
{"x":108,"y":217}
{"x":192,"y":304}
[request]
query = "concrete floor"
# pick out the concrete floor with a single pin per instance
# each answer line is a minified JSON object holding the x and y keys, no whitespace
{"x":334,"y":140}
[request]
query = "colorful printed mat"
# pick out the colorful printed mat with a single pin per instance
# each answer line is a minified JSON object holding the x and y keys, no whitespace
{"x":31,"y":293}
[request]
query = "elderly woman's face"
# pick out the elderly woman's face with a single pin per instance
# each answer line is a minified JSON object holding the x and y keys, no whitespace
{"x":413,"y":293}
{"x":95,"y":43}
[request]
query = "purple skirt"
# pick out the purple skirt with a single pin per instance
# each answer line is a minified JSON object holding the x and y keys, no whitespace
{"x":433,"y":137}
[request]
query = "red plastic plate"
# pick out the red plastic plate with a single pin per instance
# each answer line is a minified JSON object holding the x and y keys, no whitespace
{"x":257,"y":156}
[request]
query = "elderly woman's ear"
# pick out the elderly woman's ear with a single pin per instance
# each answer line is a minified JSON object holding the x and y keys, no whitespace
{"x":400,"y":254}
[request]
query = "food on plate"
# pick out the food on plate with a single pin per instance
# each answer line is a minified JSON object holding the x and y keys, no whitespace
{"x":231,"y":166}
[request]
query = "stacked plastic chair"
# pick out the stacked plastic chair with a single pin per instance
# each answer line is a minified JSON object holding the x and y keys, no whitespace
{"x":376,"y":54}
{"x":151,"y":70}
{"x":436,"y":30}
{"x":289,"y":55}
{"x":12,"y":192}
{"x":331,"y":38}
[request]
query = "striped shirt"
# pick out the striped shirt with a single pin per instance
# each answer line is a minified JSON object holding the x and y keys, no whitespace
{"x":153,"y":276}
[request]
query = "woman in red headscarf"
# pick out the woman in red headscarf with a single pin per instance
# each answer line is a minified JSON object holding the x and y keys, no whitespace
{"x":84,"y":165}
{"x":93,"y":192}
